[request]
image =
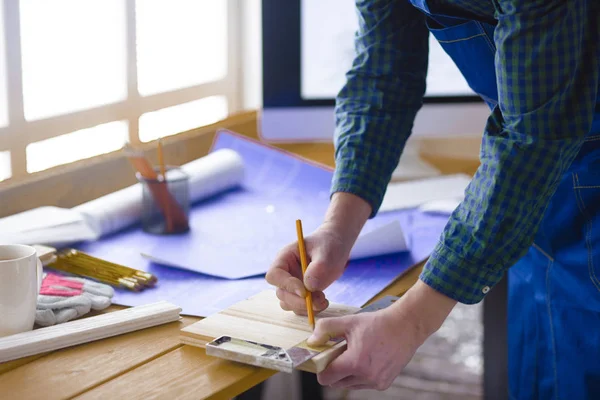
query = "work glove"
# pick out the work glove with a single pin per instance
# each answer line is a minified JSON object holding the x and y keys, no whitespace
{"x":63,"y":298}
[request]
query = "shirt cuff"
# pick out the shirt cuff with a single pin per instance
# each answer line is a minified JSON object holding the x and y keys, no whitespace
{"x":463,"y":281}
{"x":362,"y":181}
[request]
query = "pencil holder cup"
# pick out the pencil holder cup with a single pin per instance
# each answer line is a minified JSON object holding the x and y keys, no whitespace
{"x":165,"y":202}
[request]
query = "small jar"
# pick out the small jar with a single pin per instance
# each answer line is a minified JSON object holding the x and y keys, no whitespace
{"x":165,"y":203}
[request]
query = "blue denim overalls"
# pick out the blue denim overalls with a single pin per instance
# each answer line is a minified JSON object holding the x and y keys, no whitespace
{"x":554,"y":291}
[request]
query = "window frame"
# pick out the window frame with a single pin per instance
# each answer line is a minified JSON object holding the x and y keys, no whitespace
{"x":19,"y":133}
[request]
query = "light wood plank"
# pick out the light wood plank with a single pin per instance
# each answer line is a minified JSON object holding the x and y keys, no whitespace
{"x":9,"y":366}
{"x":185,"y":373}
{"x":86,"y":330}
{"x":71,"y":371}
{"x":261,"y":319}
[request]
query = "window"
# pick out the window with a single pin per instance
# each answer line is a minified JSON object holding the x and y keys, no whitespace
{"x":177,"y":49}
{"x":182,"y":117}
{"x":65,"y":72}
{"x":78,"y":145}
{"x":86,"y":77}
{"x":5,"y":168}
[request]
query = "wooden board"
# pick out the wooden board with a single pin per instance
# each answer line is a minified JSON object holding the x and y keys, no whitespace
{"x":86,"y":330}
{"x":184,"y":373}
{"x":66,"y":373}
{"x":261,"y":319}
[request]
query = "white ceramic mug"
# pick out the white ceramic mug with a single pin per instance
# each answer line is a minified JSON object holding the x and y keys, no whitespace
{"x":20,"y":282}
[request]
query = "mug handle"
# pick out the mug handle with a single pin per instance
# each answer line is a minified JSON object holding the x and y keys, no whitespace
{"x":40,"y":274}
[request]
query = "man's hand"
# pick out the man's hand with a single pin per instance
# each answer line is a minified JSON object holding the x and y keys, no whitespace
{"x":327,"y":256}
{"x":381,"y":343}
{"x":328,"y":249}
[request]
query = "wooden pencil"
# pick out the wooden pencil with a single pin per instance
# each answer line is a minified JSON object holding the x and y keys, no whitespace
{"x":163,"y":173}
{"x":170,"y":208}
{"x":304,"y":263}
{"x":139,"y":163}
{"x":161,"y":160}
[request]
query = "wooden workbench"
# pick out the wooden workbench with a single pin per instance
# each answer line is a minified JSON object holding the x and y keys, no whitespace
{"x":150,"y":363}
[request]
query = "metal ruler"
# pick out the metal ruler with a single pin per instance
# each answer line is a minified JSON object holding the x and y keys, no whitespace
{"x":273,"y":357}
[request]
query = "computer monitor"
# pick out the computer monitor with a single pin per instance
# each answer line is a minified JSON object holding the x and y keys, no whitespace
{"x":307,"y":48}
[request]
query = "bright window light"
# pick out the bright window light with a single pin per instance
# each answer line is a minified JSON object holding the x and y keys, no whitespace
{"x":78,"y":145}
{"x":3,"y":94}
{"x":74,"y":55}
{"x":180,"y":43}
{"x":182,"y":117}
{"x":5,"y":169}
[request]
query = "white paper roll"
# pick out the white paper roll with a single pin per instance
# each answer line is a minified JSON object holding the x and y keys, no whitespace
{"x":209,"y":175}
{"x":214,"y":173}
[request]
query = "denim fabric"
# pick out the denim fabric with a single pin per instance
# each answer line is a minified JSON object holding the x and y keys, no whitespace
{"x":554,"y":293}
{"x":554,"y":290}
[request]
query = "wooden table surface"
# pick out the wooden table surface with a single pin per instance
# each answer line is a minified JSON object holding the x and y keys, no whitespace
{"x":150,"y":363}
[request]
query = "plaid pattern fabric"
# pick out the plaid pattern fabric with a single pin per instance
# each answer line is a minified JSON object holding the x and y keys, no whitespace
{"x":481,"y":9}
{"x":547,"y":67}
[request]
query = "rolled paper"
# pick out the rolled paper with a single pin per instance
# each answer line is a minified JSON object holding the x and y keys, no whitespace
{"x":212,"y":174}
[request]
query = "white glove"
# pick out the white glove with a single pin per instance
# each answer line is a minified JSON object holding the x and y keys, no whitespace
{"x":63,"y":298}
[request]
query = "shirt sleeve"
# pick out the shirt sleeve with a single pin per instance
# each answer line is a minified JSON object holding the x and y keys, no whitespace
{"x":376,"y":108}
{"x":547,"y":73}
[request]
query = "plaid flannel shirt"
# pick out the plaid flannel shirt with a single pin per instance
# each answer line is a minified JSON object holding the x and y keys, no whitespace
{"x":547,"y":61}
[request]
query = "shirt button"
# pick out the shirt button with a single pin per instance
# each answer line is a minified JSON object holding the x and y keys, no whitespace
{"x":485,"y":289}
